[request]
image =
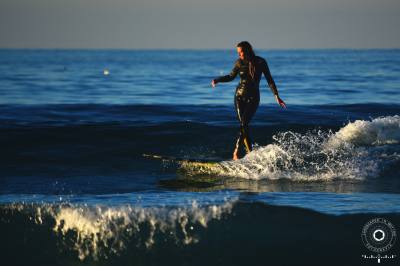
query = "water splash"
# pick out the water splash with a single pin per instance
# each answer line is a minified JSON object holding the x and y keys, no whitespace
{"x":359,"y":150}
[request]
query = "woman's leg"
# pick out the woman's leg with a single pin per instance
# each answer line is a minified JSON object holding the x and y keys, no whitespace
{"x":245,"y":109}
{"x":239,"y":106}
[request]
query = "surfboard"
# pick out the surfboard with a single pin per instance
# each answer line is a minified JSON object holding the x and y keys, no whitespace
{"x":193,"y":173}
{"x":182,"y":160}
{"x":191,"y":166}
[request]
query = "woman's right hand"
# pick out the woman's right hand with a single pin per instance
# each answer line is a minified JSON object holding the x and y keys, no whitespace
{"x":213,"y":83}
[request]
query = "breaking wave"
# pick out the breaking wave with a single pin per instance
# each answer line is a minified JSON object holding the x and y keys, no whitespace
{"x":96,"y":232}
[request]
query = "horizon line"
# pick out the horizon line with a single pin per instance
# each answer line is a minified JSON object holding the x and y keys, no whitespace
{"x":194,"y":49}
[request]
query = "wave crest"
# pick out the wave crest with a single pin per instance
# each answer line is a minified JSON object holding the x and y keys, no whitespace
{"x":99,"y":231}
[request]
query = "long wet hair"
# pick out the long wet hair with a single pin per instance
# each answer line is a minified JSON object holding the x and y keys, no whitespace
{"x":249,"y":55}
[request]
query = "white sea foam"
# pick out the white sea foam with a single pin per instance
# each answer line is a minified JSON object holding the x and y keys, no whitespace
{"x":379,"y":131}
{"x":98,"y":231}
{"x":357,"y":151}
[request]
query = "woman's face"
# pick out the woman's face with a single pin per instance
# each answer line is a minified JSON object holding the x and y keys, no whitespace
{"x":240,"y":52}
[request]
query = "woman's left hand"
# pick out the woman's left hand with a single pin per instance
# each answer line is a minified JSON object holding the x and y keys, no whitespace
{"x":280,"y":101}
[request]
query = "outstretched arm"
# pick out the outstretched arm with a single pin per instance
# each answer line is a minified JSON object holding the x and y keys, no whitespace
{"x":227,"y":78}
{"x":271,"y":84}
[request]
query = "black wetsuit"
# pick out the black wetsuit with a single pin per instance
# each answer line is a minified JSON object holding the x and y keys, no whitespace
{"x":247,"y":96}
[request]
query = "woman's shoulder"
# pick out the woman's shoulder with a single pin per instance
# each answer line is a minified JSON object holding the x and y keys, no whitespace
{"x":260,"y":59}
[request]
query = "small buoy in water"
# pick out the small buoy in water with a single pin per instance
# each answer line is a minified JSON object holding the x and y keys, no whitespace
{"x":106,"y":72}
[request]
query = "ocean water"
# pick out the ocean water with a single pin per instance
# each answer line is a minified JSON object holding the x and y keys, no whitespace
{"x":75,"y":188}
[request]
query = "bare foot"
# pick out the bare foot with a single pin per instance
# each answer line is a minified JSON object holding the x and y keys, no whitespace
{"x":235,"y":156}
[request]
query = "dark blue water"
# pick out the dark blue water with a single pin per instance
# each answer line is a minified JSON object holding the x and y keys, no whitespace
{"x":74,"y":125}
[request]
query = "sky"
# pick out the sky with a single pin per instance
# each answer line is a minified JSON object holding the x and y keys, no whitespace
{"x":199,"y":24}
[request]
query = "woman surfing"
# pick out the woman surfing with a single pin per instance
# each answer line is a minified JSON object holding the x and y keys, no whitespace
{"x":250,"y":67}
